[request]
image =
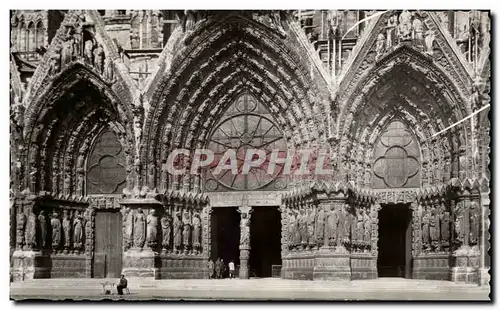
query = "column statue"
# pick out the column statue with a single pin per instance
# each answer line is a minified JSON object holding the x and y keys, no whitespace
{"x":196,"y":232}
{"x":360,"y":225}
{"x":444,"y":220}
{"x":20,"y":226}
{"x":139,"y":229}
{"x":186,"y":233}
{"x":166,"y":228}
{"x":55,"y":223}
{"x":473,"y":223}
{"x":291,"y":229}
{"x":66,"y":225}
{"x":367,"y":234}
{"x":129,"y":228}
{"x":310,"y":226}
{"x":331,"y":227}
{"x":302,"y":224}
{"x":177,"y":232}
{"x":31,"y":230}
{"x":77,"y":232}
{"x":434,"y":228}
{"x":245,"y":210}
{"x":152,"y":229}
{"x":425,"y":229}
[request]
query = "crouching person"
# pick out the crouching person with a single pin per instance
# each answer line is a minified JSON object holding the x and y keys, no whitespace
{"x":121,"y":285}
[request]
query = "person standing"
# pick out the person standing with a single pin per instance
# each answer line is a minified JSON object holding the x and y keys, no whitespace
{"x":218,"y":268}
{"x":210,"y":269}
{"x":231,"y":270}
{"x":121,"y":285}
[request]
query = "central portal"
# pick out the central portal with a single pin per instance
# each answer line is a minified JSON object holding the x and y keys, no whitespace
{"x":265,"y":241}
{"x":394,"y":256}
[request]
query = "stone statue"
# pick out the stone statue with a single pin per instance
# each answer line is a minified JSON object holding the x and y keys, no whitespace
{"x":418,"y":30}
{"x":66,"y":225}
{"x":434,"y":227}
{"x":42,"y":222}
{"x":380,"y":45}
{"x":367,"y":234}
{"x":404,"y":26}
{"x":310,"y":225}
{"x":291,"y":226}
{"x":177,"y":231}
{"x":88,"y":230}
{"x":152,"y":228}
{"x":459,"y":223}
{"x":196,"y":231}
{"x":77,"y":231}
{"x":20,"y":226}
{"x":129,"y":227}
{"x":55,"y":223}
{"x":331,"y":227}
{"x":108,"y":69}
{"x":302,"y":223}
{"x":390,"y":30}
{"x":360,"y":225}
{"x":429,"y":41}
{"x":343,"y":227}
{"x":88,"y":52}
{"x":139,"y":229}
{"x":67,"y":51}
{"x":186,"y":233}
{"x":31,"y":230}
{"x":425,"y":228}
{"x":444,"y":220}
{"x":190,"y":20}
{"x":296,"y":232}
{"x":137,"y":129}
{"x":473,"y":223}
{"x":166,"y":228}
{"x":99,"y":58}
{"x":55,"y":61}
{"x":244,"y":230}
{"x":353,"y":225}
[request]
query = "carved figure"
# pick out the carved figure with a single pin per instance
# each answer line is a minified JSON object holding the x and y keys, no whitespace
{"x":296,"y":231}
{"x":445,"y":226}
{"x":129,"y":228}
{"x":303,"y":227}
{"x":434,"y":227}
{"x":418,"y":30}
{"x":99,"y":58}
{"x":244,"y":230}
{"x":88,"y":52}
{"x":55,"y":223}
{"x":55,"y":61}
{"x":404,"y":25}
{"x":31,"y":230}
{"x":390,"y":30}
{"x":360,"y":226}
{"x":331,"y":228}
{"x":310,"y":226}
{"x":20,"y":226}
{"x":459,"y":224}
{"x":42,"y":222}
{"x":77,"y":231}
{"x":380,"y":46}
{"x":429,"y":41}
{"x":66,"y":225}
{"x":67,"y":51}
{"x":473,"y":223}
{"x":367,"y":233}
{"x":166,"y":228}
{"x":186,"y":233}
{"x":139,"y":229}
{"x":88,"y":231}
{"x":152,"y":228}
{"x":177,"y":231}
{"x":196,"y":231}
{"x":190,"y":20}
{"x":425,"y":228}
{"x":108,"y":69}
{"x":291,"y":228}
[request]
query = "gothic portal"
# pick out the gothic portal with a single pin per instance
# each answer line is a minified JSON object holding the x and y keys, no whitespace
{"x":101,"y":99}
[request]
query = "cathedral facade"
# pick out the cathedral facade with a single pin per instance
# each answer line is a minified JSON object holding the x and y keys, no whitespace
{"x":398,"y":99}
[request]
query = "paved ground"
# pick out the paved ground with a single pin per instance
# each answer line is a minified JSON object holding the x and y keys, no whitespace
{"x":253,"y":289}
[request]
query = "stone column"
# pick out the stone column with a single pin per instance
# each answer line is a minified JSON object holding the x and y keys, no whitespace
{"x":245,"y":212}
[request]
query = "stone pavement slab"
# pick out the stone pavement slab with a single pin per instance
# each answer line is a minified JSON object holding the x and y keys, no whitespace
{"x":252,"y":289}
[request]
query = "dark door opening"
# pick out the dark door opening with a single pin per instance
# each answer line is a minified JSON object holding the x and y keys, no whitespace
{"x":265,"y":241}
{"x":226,"y":235}
{"x":108,"y":245}
{"x":394,"y":241}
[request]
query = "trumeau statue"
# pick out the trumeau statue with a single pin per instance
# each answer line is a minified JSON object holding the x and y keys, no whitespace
{"x":196,"y":230}
{"x":77,"y":231}
{"x":139,"y":229}
{"x":245,"y":229}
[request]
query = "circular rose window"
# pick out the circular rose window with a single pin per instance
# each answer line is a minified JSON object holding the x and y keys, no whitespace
{"x":246,"y":125}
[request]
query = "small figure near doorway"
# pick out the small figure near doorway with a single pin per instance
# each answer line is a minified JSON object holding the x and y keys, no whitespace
{"x":218,"y":268}
{"x":231,"y":270}
{"x":211,"y":268}
{"x":121,"y":285}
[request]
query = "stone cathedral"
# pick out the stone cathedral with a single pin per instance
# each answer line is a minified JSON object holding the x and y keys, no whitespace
{"x":100,"y":98}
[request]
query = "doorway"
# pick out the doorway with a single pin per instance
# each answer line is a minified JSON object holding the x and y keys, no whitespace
{"x":265,"y":241}
{"x":225,"y":235}
{"x":394,"y":242}
{"x":108,"y":244}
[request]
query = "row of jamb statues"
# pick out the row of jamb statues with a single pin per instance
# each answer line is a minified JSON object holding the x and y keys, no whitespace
{"x":314,"y":227}
{"x":178,"y":228}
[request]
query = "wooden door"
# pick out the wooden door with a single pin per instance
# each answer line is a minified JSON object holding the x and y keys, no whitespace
{"x":108,"y":245}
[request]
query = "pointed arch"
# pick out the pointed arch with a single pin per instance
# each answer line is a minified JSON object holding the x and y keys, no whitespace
{"x":211,"y":65}
{"x":62,"y":127}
